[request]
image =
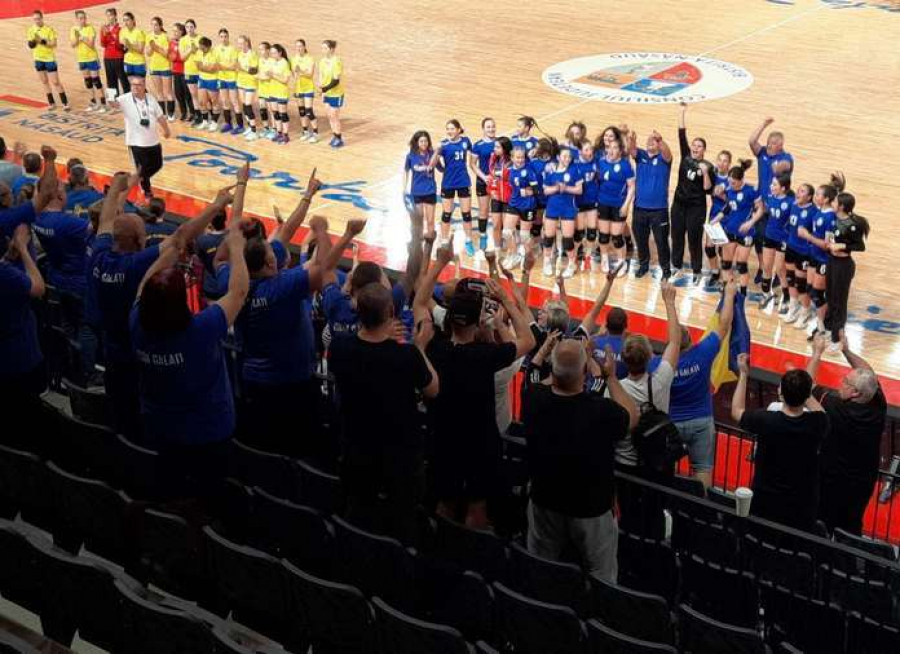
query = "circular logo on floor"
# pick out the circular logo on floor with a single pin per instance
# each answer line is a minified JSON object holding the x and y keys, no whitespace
{"x":647,"y":78}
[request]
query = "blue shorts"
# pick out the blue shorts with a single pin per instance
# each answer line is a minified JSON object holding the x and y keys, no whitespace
{"x":699,"y":434}
{"x":89,"y":65}
{"x":548,"y":217}
{"x":136,"y":69}
{"x":191,"y":79}
{"x":310,"y":95}
{"x":45,"y":66}
{"x":209,"y":84}
{"x":335,"y":103}
{"x":227,"y":86}
{"x":278,"y":100}
{"x":161,"y":73}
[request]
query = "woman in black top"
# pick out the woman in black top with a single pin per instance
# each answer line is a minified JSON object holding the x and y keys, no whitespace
{"x":850,"y":233}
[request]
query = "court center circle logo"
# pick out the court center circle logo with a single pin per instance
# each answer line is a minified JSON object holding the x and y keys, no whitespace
{"x":647,"y":78}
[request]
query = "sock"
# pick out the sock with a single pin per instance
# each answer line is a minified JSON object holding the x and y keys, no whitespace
{"x":315,"y":130}
{"x":743,"y":290}
{"x":264,"y":114}
{"x":785,"y":294}
{"x":94,"y":101}
{"x":204,"y":115}
{"x":170,"y":107}
{"x":214,"y":117}
{"x":227,"y":114}
{"x":629,"y":244}
{"x":103,"y":100}
{"x":63,"y":98}
{"x":766,"y":285}
{"x":50,"y":100}
{"x":240,"y":120}
{"x":337,"y":136}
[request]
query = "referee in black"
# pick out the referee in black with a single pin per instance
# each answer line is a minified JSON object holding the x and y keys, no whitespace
{"x":688,"y":213}
{"x":144,"y":121}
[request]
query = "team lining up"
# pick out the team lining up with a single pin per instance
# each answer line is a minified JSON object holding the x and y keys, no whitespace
{"x":208,"y":81}
{"x":535,"y":189}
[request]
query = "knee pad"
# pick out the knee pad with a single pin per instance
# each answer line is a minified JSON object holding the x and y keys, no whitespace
{"x":302,"y":111}
{"x":446,"y":216}
{"x":467,"y":217}
{"x":603,"y":238}
{"x":579,"y":235}
{"x":742,"y":267}
{"x":568,"y":243}
{"x":800,"y":283}
{"x":284,"y":117}
{"x":818,"y":297}
{"x":711,"y":252}
{"x":311,"y":114}
{"x":547,"y":242}
{"x":482,"y":225}
{"x":535,"y":231}
{"x":591,"y":234}
{"x":88,"y":83}
{"x":791,"y":276}
{"x":726,"y":265}
{"x":618,"y":241}
{"x":249,"y":112}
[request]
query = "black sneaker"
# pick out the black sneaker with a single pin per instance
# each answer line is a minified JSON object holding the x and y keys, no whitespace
{"x":812,"y":336}
{"x":641,"y":272}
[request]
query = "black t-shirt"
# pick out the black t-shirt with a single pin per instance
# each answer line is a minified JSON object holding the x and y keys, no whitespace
{"x":853,"y":448}
{"x":377,"y":385}
{"x":465,"y":408}
{"x":786,"y":480}
{"x":690,"y":178}
{"x":571,"y":450}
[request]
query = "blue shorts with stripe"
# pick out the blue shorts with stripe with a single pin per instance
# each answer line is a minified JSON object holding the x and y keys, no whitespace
{"x":93,"y":66}
{"x":45,"y":66}
{"x":140,"y":70}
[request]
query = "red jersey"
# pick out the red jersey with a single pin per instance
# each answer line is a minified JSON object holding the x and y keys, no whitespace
{"x":109,"y":39}
{"x":175,"y":57}
{"x":498,"y":180}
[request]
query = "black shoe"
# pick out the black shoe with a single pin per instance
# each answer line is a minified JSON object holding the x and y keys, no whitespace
{"x":812,"y":336}
{"x":666,"y":274}
{"x":641,"y":272}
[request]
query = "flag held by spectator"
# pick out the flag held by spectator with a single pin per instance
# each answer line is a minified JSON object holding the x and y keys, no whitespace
{"x":736,"y":342}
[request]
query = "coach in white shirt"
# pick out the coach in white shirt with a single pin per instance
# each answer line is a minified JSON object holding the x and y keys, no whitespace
{"x":144,"y":119}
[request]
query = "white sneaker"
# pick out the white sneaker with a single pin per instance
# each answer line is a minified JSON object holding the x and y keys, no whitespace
{"x":677,"y":273}
{"x":171,"y":119}
{"x":805,"y":318}
{"x":252,"y":136}
{"x":515,"y":260}
{"x":212,"y":127}
{"x":304,"y":138}
{"x":604,"y":264}
{"x":570,"y":270}
{"x":313,"y":138}
{"x":793,"y":312}
{"x":202,"y":125}
{"x":548,"y":268}
{"x":102,"y":109}
{"x":91,"y":107}
{"x":833,"y":348}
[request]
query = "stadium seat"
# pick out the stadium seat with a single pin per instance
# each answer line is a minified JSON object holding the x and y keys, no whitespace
{"x":94,"y":514}
{"x":792,"y":570}
{"x":85,"y":448}
{"x":88,"y":404}
{"x":615,"y":606}
{"x":253,"y":585}
{"x":475,"y":550}
{"x":722,"y":498}
{"x":688,"y":485}
{"x":857,"y":565}
{"x":457,"y":598}
{"x":293,"y":532}
{"x":877,"y":548}
{"x":27,"y":487}
{"x":169,"y":554}
{"x":723,"y":593}
{"x":232,"y":507}
{"x":527,"y":626}
{"x":377,"y":565}
{"x":136,"y":470}
{"x":604,"y":640}
{"x":548,"y":581}
{"x":273,"y":472}
{"x":872,"y":598}
{"x":647,"y":565}
{"x":708,"y":540}
{"x":12,"y":644}
{"x":701,"y":634}
{"x":318,"y":489}
{"x":402,"y":634}
{"x":809,"y":624}
{"x":865,"y":636}
{"x":336,"y":617}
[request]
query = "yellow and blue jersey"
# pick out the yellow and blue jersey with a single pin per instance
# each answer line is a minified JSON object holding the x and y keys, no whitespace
{"x":331,"y":68}
{"x":159,"y":62}
{"x":303,"y":66}
{"x":210,"y":58}
{"x":37,"y":34}
{"x":227,"y":57}
{"x":135,"y":38}
{"x":246,"y":61}
{"x":190,"y":60}
{"x":83,"y":52}
{"x":265,"y":84}
{"x":280,"y":68}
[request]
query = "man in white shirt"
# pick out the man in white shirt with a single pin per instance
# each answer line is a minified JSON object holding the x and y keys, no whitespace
{"x":144,"y":119}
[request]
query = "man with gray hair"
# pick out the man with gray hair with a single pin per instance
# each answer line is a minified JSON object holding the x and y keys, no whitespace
{"x":851,"y":454}
{"x":571,"y":437}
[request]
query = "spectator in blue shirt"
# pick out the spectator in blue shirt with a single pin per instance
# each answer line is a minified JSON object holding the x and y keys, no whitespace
{"x":31,"y":162}
{"x":22,"y":374}
{"x":651,"y":201}
{"x":155,"y":224}
{"x":187,"y":406}
{"x":690,"y":403}
{"x":10,"y":171}
{"x":80,"y":195}
{"x":12,"y":216}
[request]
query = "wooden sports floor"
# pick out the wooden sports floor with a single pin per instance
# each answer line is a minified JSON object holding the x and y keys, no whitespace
{"x":828,"y":72}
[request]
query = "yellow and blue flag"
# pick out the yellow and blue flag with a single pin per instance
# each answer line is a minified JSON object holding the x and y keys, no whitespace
{"x":736,"y":341}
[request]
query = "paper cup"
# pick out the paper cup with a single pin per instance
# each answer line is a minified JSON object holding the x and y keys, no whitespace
{"x":743,"y":496}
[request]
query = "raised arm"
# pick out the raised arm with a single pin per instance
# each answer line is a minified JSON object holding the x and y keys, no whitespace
{"x":756,"y":134}
{"x":820,"y":343}
{"x":683,"y":145}
{"x":327,"y":257}
{"x":112,"y":203}
{"x":664,"y":148}
{"x":238,"y":278}
{"x":422,"y":301}
{"x":673,"y":328}
{"x":856,"y":362}
{"x":524,"y":338}
{"x":295,"y":220}
{"x":47,"y":183}
{"x":739,"y":399}
{"x":20,"y":243}
{"x":190,"y":230}
{"x":726,"y":317}
{"x":616,"y":392}
{"x":590,"y":320}
{"x":415,"y":255}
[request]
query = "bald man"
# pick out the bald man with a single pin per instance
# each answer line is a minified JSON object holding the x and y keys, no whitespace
{"x":118,"y":261}
{"x":572,"y":437}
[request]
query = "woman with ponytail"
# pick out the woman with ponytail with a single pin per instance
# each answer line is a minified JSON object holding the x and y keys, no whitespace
{"x":819,"y":238}
{"x":738,"y":220}
{"x":850,"y":233}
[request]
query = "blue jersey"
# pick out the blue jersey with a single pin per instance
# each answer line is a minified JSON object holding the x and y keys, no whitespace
{"x":64,"y":239}
{"x":800,"y":217}
{"x":24,"y":180}
{"x":652,"y":181}
{"x":590,"y":190}
{"x":519,"y":179}
{"x":15,"y":216}
{"x":614,"y":176}
{"x":538,"y":166}
{"x":779,"y":210}
{"x":528,"y":143}
{"x":483,"y":149}
{"x":455,"y":155}
{"x":78,"y":202}
{"x":19,"y":349}
{"x":718,"y":204}
{"x":561,"y":205}
{"x":186,"y":396}
{"x":690,"y":395}
{"x":822,"y":227}
{"x":766,"y":165}
{"x":739,"y":207}
{"x":422,"y":173}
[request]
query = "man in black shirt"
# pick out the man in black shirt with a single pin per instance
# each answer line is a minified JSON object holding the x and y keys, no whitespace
{"x":571,"y":438}
{"x":852,"y":452}
{"x":695,"y":182}
{"x":378,"y":382}
{"x":467,"y":441}
{"x":786,"y":480}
